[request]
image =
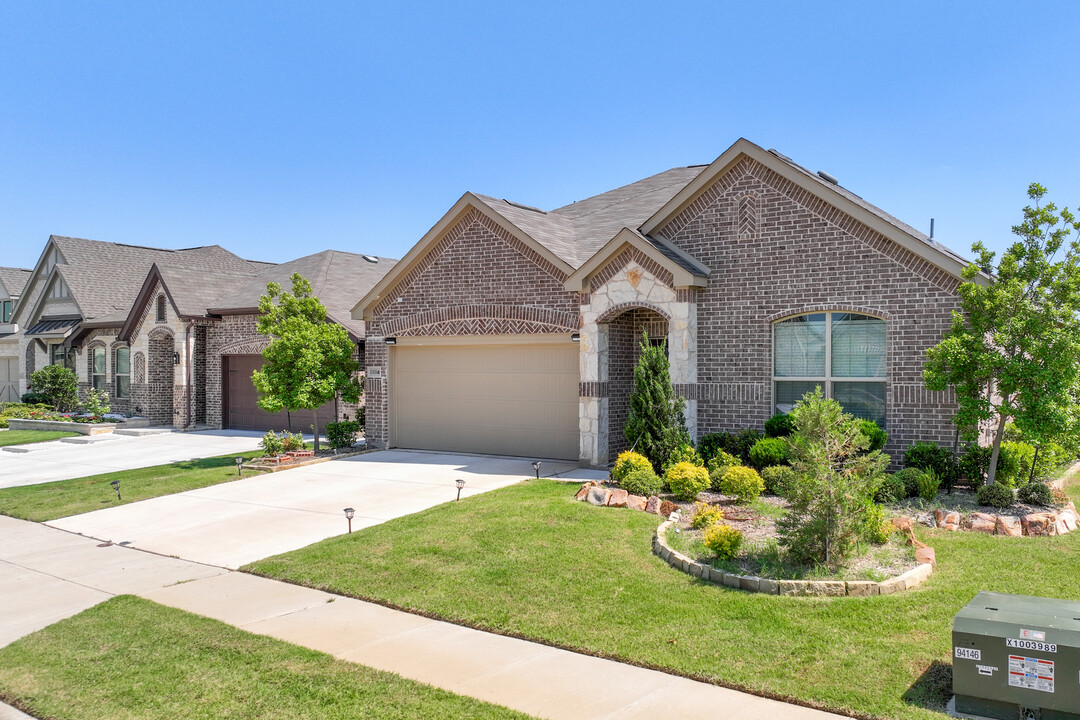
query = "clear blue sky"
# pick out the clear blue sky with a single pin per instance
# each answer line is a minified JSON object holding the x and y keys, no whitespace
{"x":277,"y":129}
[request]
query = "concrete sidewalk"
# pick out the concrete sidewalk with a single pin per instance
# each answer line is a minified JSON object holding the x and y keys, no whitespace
{"x":69,"y":573}
{"x":57,"y":460}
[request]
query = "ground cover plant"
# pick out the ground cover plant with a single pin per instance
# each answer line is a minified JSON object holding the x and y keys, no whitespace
{"x":131,"y":658}
{"x":531,"y":561}
{"x":25,"y":437}
{"x":48,"y":501}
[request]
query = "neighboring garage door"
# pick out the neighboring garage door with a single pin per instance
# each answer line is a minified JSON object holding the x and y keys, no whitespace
{"x":486,"y":398}
{"x":9,"y":379}
{"x":239,"y":396}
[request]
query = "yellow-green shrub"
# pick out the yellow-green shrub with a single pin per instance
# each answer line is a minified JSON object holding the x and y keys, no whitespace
{"x":723,"y":540}
{"x":686,"y":480}
{"x":627,"y":463}
{"x":719,"y":465}
{"x":743,"y":483}
{"x":876,"y":527}
{"x":706,"y":515}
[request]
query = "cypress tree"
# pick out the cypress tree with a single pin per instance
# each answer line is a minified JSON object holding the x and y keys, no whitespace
{"x":656,"y":426}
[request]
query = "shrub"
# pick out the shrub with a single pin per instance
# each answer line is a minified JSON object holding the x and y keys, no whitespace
{"x":910,"y":478}
{"x":874,"y":433}
{"x":928,"y":456}
{"x":837,"y":478}
{"x":778,"y":479}
{"x":929,"y":483}
{"x":737,"y":444}
{"x":1035,"y":493}
{"x":629,"y":462}
{"x":719,"y":465}
{"x":1014,"y":463}
{"x":974,"y":463}
{"x":97,"y":402}
{"x":743,"y":483}
{"x":876,"y":527}
{"x":769,"y":451}
{"x":343,"y":434}
{"x":271,"y":444}
{"x":995,"y":495}
{"x":35,"y":398}
{"x":59,"y":385}
{"x":723,"y":541}
{"x":892,"y":488}
{"x":686,"y":480}
{"x":779,"y":425}
{"x":291,"y":442}
{"x":742,"y":442}
{"x":655,"y":421}
{"x":685,"y":453}
{"x":706,"y":515}
{"x":642,"y":481}
{"x":710,"y":444}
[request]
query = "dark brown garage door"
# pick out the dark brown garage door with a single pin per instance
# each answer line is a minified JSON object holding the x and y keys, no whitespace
{"x":239,"y":396}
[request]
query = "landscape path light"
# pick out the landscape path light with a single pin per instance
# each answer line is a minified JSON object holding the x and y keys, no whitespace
{"x":349,"y":512}
{"x":460,"y":482}
{"x":536,"y":466}
{"x":239,"y":466}
{"x":116,"y":486}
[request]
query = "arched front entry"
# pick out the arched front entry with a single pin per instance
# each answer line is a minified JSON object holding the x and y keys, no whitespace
{"x":160,"y":378}
{"x":625,"y":332}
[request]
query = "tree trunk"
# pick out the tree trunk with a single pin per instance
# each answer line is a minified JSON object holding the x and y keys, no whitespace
{"x":1034,"y":462}
{"x":315,"y":428}
{"x":991,"y":474}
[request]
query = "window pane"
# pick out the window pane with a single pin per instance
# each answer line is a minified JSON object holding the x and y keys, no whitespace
{"x":864,"y":400}
{"x":788,"y":393}
{"x":800,"y":346}
{"x":858,"y":346}
{"x":123,"y":386}
{"x":99,"y":382}
{"x":123,"y":361}
{"x":5,"y":311}
{"x":99,"y":361}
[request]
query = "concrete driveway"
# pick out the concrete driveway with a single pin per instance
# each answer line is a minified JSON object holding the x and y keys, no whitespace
{"x":235,"y":523}
{"x":58,"y":460}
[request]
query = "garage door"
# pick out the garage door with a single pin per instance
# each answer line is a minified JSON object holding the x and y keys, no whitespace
{"x":494,"y":399}
{"x":241,"y":411}
{"x":9,"y":379}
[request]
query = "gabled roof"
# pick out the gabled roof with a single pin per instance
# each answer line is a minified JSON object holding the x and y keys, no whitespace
{"x":14,"y":280}
{"x":337,"y":278}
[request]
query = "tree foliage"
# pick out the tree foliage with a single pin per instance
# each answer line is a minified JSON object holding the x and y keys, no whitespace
{"x":309,"y":360}
{"x":835,"y":480}
{"x":656,"y":424}
{"x":59,"y":384}
{"x":1013,"y":350}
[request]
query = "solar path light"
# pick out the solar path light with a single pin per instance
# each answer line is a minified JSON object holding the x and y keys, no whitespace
{"x":116,"y":486}
{"x":239,"y":466}
{"x":349,"y":512}
{"x":460,"y":482}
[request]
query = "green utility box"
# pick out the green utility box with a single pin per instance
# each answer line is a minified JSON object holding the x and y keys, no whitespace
{"x":1017,"y":657}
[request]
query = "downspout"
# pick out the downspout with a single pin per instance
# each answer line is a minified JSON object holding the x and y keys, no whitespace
{"x":190,"y":376}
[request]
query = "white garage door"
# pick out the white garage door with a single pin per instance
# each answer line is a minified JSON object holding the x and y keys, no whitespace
{"x":9,"y":379}
{"x":491,"y":398}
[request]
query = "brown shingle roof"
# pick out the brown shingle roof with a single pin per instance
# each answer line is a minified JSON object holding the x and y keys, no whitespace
{"x":14,"y":279}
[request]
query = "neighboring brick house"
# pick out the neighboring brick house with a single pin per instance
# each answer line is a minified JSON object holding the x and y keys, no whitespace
{"x":512,"y":330}
{"x":12,"y":282}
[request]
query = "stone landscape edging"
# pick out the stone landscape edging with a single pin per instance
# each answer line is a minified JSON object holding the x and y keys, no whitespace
{"x":806,"y":588}
{"x":1040,"y":524}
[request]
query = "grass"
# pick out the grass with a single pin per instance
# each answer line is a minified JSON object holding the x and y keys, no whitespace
{"x":530,"y":561}
{"x":131,"y":658}
{"x":25,"y":437}
{"x":48,"y":501}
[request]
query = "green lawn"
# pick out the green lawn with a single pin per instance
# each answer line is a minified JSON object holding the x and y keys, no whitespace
{"x":530,"y":561}
{"x":25,"y":437}
{"x":131,"y":658}
{"x":48,"y":501}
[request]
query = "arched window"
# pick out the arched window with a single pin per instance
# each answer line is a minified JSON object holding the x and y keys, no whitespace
{"x":97,"y":367}
{"x":160,"y":315}
{"x":843,"y":353}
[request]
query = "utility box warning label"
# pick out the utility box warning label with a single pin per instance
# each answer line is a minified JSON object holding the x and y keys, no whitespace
{"x":1031,"y":673}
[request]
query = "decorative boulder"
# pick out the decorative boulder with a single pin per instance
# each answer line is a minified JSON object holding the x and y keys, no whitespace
{"x":652,"y":505}
{"x":584,"y":491}
{"x":1035,"y":524}
{"x":598,"y":495}
{"x":903,"y":523}
{"x":635,"y":502}
{"x":948,"y":520}
{"x":982,"y":522}
{"x":1008,"y":525}
{"x":617,"y":498}
{"x":925,"y":555}
{"x":667,"y":507}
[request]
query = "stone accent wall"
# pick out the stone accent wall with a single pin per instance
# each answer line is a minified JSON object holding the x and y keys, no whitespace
{"x":786,"y":252}
{"x":624,"y":350}
{"x":476,"y":280}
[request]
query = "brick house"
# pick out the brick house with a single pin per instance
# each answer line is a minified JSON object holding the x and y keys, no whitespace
{"x":512,"y":330}
{"x":12,"y":282}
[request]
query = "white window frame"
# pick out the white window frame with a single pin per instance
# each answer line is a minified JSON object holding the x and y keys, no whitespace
{"x":104,"y":374}
{"x":826,"y":381}
{"x":117,"y":375}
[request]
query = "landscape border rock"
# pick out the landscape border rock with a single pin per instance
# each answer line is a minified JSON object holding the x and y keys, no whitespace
{"x":1039,"y":524}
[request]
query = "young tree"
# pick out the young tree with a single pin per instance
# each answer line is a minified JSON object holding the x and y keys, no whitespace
{"x":656,"y":424}
{"x":835,"y":481}
{"x":1013,"y":350}
{"x":309,"y":360}
{"x":59,"y":384}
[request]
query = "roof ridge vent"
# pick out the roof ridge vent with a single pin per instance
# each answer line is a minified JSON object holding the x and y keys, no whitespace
{"x":827,"y":177}
{"x":524,"y":207}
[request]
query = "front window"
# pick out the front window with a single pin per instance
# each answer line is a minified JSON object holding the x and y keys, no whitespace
{"x":843,"y":353}
{"x":122,"y":371}
{"x":5,"y":310}
{"x":60,"y":355}
{"x":97,"y":368}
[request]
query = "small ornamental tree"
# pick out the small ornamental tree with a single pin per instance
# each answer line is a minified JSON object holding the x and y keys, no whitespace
{"x":656,"y":427}
{"x":835,"y":481}
{"x":1013,"y":352}
{"x":59,"y":384}
{"x":309,"y":360}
